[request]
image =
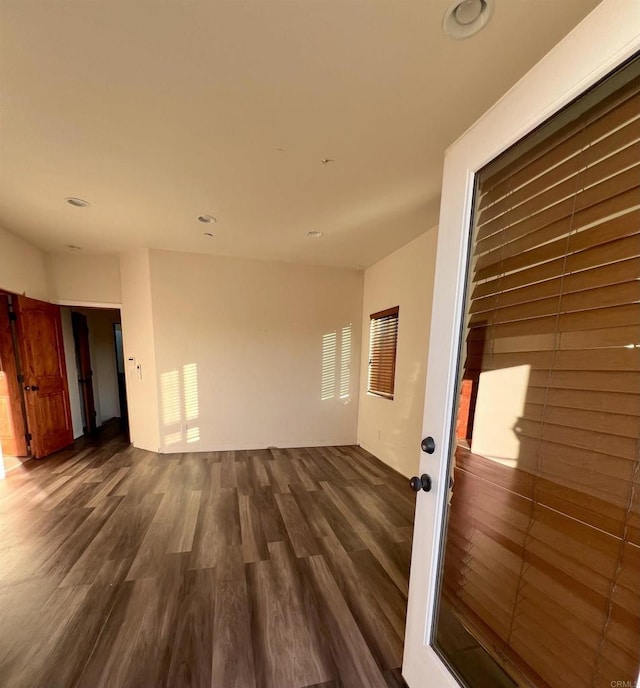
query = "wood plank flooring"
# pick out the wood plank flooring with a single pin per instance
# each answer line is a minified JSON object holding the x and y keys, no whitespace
{"x":246,"y":569}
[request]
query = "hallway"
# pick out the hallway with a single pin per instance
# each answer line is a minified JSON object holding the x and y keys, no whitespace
{"x":268,"y":568}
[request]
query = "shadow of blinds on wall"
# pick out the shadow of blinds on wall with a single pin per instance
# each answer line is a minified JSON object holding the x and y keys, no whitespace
{"x":542,"y":553}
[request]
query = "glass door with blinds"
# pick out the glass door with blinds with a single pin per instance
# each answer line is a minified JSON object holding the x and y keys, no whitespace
{"x":539,"y":581}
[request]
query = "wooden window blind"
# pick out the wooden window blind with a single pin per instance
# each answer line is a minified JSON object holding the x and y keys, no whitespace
{"x":383,"y":340}
{"x":542,"y":556}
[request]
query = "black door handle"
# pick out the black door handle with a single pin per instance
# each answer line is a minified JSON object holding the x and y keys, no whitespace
{"x":420,"y":483}
{"x":428,"y":445}
{"x":34,"y":388}
{"x":27,"y":388}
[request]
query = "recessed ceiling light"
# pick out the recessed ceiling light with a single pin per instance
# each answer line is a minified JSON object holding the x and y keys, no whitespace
{"x":77,"y":202}
{"x":207,"y":234}
{"x":207,"y":219}
{"x":466,"y":17}
{"x":314,"y":234}
{"x":73,"y":247}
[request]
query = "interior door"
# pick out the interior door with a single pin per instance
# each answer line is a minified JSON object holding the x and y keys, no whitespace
{"x":12,"y":428}
{"x":81,"y":337}
{"x":39,"y":334}
{"x":591,"y":583}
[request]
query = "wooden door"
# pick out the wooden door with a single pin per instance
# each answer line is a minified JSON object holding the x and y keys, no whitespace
{"x":40,"y":343}
{"x":12,"y":428}
{"x":81,"y":337}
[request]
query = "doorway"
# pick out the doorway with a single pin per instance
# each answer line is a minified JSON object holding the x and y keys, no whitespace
{"x":96,"y":375}
{"x":61,"y":376}
{"x":84,"y":371}
{"x":122,"y":385}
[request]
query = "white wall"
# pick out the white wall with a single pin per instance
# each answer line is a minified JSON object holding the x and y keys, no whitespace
{"x":58,"y":277}
{"x":254,"y":330}
{"x":72,"y":372}
{"x":138,"y":340}
{"x":239,"y":352}
{"x":22,"y":267}
{"x":390,"y":428}
{"x":82,"y":278}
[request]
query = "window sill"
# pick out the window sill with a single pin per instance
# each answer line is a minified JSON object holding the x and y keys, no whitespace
{"x":379,"y":395}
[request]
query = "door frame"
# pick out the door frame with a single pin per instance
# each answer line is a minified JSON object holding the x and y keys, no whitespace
{"x":102,"y":305}
{"x":568,"y":70}
{"x":122,"y":378}
{"x":9,"y":363}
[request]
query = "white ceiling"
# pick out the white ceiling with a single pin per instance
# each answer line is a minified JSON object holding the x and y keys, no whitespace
{"x":159,"y":111}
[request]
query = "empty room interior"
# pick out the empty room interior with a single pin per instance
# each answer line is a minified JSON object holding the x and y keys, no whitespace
{"x":320,"y":344}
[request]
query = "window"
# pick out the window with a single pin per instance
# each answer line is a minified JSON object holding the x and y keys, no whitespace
{"x":383,"y":338}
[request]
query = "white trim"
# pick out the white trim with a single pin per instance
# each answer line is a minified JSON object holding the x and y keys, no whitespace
{"x":606,"y":38}
{"x":87,"y":304}
{"x":183,"y":447}
{"x":18,"y":465}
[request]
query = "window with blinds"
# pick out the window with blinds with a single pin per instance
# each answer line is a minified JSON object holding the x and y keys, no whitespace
{"x":383,"y":340}
{"x":542,"y":552}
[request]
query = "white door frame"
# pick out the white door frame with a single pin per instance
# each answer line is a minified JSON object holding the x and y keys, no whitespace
{"x":605,"y":39}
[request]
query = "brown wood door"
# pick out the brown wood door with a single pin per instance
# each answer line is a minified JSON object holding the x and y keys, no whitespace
{"x":81,"y":336}
{"x":39,"y":331}
{"x":12,"y":429}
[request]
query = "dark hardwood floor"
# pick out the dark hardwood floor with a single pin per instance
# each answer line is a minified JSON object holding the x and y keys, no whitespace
{"x":273,"y":568}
